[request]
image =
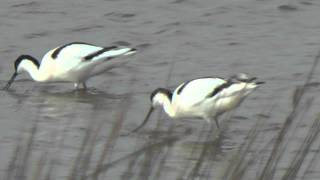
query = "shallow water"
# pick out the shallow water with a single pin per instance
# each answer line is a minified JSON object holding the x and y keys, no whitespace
{"x":178,"y":40}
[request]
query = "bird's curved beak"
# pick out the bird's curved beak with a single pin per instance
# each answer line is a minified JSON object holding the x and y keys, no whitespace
{"x":144,"y":122}
{"x":10,"y":81}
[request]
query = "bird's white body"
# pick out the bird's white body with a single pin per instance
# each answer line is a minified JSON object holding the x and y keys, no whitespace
{"x":192,"y":101}
{"x":74,"y":62}
{"x":204,"y":98}
{"x":70,"y":66}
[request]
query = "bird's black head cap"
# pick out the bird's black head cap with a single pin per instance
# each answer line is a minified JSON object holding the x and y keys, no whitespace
{"x":23,"y":57}
{"x":161,"y":90}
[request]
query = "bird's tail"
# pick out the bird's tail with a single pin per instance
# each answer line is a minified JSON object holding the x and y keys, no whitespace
{"x":108,"y":57}
{"x":129,"y":51}
{"x":244,"y":83}
{"x":120,"y":51}
{"x":252,"y":85}
{"x":243,"y":77}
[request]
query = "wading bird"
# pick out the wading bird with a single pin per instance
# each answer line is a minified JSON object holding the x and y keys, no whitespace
{"x":206,"y":98}
{"x":73,"y":62}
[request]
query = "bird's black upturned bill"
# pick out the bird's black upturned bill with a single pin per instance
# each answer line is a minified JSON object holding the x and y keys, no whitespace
{"x":144,"y":122}
{"x":10,"y":81}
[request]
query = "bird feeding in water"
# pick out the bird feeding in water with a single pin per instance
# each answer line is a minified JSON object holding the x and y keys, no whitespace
{"x":73,"y":62}
{"x":206,"y":98}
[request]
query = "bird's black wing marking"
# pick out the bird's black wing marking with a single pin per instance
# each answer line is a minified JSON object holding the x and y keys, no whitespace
{"x":56,"y":52}
{"x":220,"y":88}
{"x":187,"y":82}
{"x":99,"y":52}
{"x":182,"y":87}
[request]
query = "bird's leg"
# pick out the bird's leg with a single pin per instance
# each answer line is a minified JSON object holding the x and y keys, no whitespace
{"x":76,"y":85}
{"x":216,"y":133}
{"x":210,"y":119}
{"x":217,"y":122}
{"x":84,"y":85}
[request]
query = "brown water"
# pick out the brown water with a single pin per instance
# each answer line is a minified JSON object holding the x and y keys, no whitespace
{"x":68,"y":131}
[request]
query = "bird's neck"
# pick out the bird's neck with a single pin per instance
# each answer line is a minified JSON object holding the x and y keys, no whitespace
{"x":168,"y":106}
{"x":34,"y":71}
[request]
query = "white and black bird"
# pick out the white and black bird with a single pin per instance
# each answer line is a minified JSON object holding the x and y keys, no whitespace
{"x":206,"y":98}
{"x":73,"y":62}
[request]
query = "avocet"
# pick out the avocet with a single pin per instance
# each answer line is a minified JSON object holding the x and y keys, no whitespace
{"x":206,"y":98}
{"x":73,"y":62}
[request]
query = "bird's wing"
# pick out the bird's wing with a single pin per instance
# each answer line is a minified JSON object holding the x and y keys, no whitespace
{"x":68,"y":56}
{"x":235,"y":89}
{"x":74,"y":54}
{"x":195,"y":91}
{"x":73,"y":51}
{"x":108,"y":53}
{"x":87,"y":52}
{"x":73,"y":48}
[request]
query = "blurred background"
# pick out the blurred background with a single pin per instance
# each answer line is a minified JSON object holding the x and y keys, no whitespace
{"x":51,"y":132}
